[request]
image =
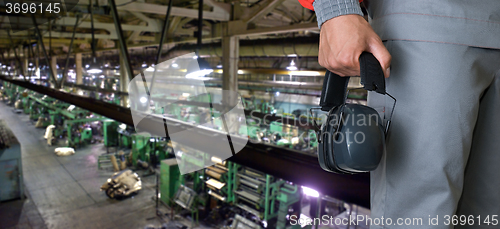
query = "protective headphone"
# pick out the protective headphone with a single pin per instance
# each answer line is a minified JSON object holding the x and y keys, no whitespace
{"x":352,"y":140}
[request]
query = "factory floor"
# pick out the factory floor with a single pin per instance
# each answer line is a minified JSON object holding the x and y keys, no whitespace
{"x":63,"y":192}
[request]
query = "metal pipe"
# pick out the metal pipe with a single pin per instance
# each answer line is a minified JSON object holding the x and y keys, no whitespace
{"x":92,"y":45}
{"x":200,"y":25}
{"x":40,"y":42}
{"x":65,"y":72}
{"x":160,"y":46}
{"x":164,"y":30}
{"x":121,"y":40}
{"x":21,"y":68}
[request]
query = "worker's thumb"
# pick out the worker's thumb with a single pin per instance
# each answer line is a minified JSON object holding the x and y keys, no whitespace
{"x":383,"y":56}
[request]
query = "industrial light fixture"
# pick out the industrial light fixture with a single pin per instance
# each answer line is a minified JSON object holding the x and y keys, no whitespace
{"x":292,"y":66}
{"x":198,"y":68}
{"x":310,"y":191}
{"x":94,"y":67}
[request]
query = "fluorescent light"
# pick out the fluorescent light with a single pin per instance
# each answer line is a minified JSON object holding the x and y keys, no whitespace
{"x":185,"y":94}
{"x":94,"y":71}
{"x":175,"y":65}
{"x":199,"y":74}
{"x":310,"y":191}
{"x":304,"y":73}
{"x":143,"y":99}
{"x":87,"y":66}
{"x":219,"y":66}
{"x":292,"y":66}
{"x":291,"y":55}
{"x":277,"y":93}
{"x":106,"y":65}
{"x":240,"y":71}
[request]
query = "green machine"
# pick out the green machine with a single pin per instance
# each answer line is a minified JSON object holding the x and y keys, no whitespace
{"x":220,"y":180}
{"x":79,"y":134}
{"x":251,"y":129}
{"x":149,"y":149}
{"x":288,"y":196}
{"x":283,"y":134}
{"x":110,"y":135}
{"x":140,"y":147}
{"x":26,"y":101}
{"x":257,"y":193}
{"x":266,"y":108}
{"x":125,"y":135}
{"x":169,"y":180}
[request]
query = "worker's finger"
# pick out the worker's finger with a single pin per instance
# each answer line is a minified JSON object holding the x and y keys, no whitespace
{"x":377,"y":48}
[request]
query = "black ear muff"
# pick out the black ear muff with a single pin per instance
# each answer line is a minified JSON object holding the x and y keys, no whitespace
{"x":352,"y":140}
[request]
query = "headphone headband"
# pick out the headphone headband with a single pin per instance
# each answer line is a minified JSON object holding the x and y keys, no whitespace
{"x":334,"y":88}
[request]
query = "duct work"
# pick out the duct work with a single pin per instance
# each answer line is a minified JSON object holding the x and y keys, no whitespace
{"x":282,"y":47}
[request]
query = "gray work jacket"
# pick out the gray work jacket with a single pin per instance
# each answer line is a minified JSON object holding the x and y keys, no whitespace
{"x":464,"y":22}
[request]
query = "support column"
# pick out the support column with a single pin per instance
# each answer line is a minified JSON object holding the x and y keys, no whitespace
{"x":230,"y":57}
{"x":25,"y":62}
{"x":79,"y":69}
{"x":124,"y":81}
{"x":37,"y":69}
{"x":53,"y":64}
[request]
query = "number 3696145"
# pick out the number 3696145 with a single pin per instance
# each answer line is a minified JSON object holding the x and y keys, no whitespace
{"x":32,"y":8}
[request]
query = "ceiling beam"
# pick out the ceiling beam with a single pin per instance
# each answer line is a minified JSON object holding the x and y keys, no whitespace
{"x":217,"y":14}
{"x":280,"y":29}
{"x":258,"y":11}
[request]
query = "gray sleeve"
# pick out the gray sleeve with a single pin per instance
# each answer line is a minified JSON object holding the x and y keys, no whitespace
{"x":328,"y":9}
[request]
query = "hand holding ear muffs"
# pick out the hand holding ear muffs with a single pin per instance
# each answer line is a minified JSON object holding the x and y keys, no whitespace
{"x":352,"y":140}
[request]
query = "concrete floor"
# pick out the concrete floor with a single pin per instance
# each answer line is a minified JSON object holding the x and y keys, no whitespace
{"x":63,"y":192}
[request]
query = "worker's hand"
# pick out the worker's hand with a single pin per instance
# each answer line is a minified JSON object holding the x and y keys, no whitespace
{"x":343,"y":39}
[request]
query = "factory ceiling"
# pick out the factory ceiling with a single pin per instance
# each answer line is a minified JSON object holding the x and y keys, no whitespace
{"x":142,"y":21}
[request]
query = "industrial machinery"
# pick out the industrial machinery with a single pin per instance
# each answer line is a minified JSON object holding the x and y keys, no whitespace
{"x":81,"y":131}
{"x":220,"y":180}
{"x":11,"y":175}
{"x":122,"y":184}
{"x":247,"y":197}
{"x":149,"y":151}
